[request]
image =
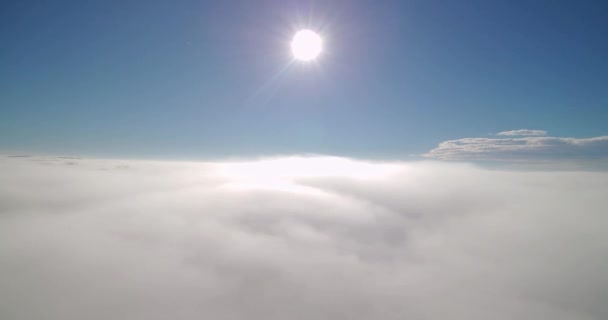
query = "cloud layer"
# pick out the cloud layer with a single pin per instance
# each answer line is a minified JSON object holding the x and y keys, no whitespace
{"x":523,"y":132}
{"x":523,"y":148}
{"x":299,"y":238}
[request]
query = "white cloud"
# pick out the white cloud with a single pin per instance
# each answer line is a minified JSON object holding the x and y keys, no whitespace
{"x":523,"y":132}
{"x":526,"y":148}
{"x":299,"y":238}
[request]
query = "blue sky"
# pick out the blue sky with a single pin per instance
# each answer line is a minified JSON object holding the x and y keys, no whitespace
{"x":208,"y":79}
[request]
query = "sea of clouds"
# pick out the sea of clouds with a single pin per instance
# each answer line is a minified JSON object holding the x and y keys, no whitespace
{"x":299,"y":238}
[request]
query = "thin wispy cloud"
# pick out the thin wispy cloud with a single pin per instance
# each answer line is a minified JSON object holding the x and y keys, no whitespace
{"x":523,"y":132}
{"x":522,"y":148}
{"x":299,"y":238}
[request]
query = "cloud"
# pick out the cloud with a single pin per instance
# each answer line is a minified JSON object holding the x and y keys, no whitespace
{"x":299,"y":238}
{"x":523,"y":132}
{"x":525,"y":148}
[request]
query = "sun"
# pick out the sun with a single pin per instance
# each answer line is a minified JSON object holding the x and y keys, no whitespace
{"x":306,"y":45}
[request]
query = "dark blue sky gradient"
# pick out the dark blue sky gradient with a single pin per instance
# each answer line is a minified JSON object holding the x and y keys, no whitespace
{"x":210,"y":79}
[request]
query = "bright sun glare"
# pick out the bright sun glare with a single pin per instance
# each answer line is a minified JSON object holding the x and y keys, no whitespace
{"x":306,"y":45}
{"x":286,"y":173}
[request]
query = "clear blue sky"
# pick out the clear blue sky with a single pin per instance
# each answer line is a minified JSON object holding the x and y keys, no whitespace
{"x":202,"y":79}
